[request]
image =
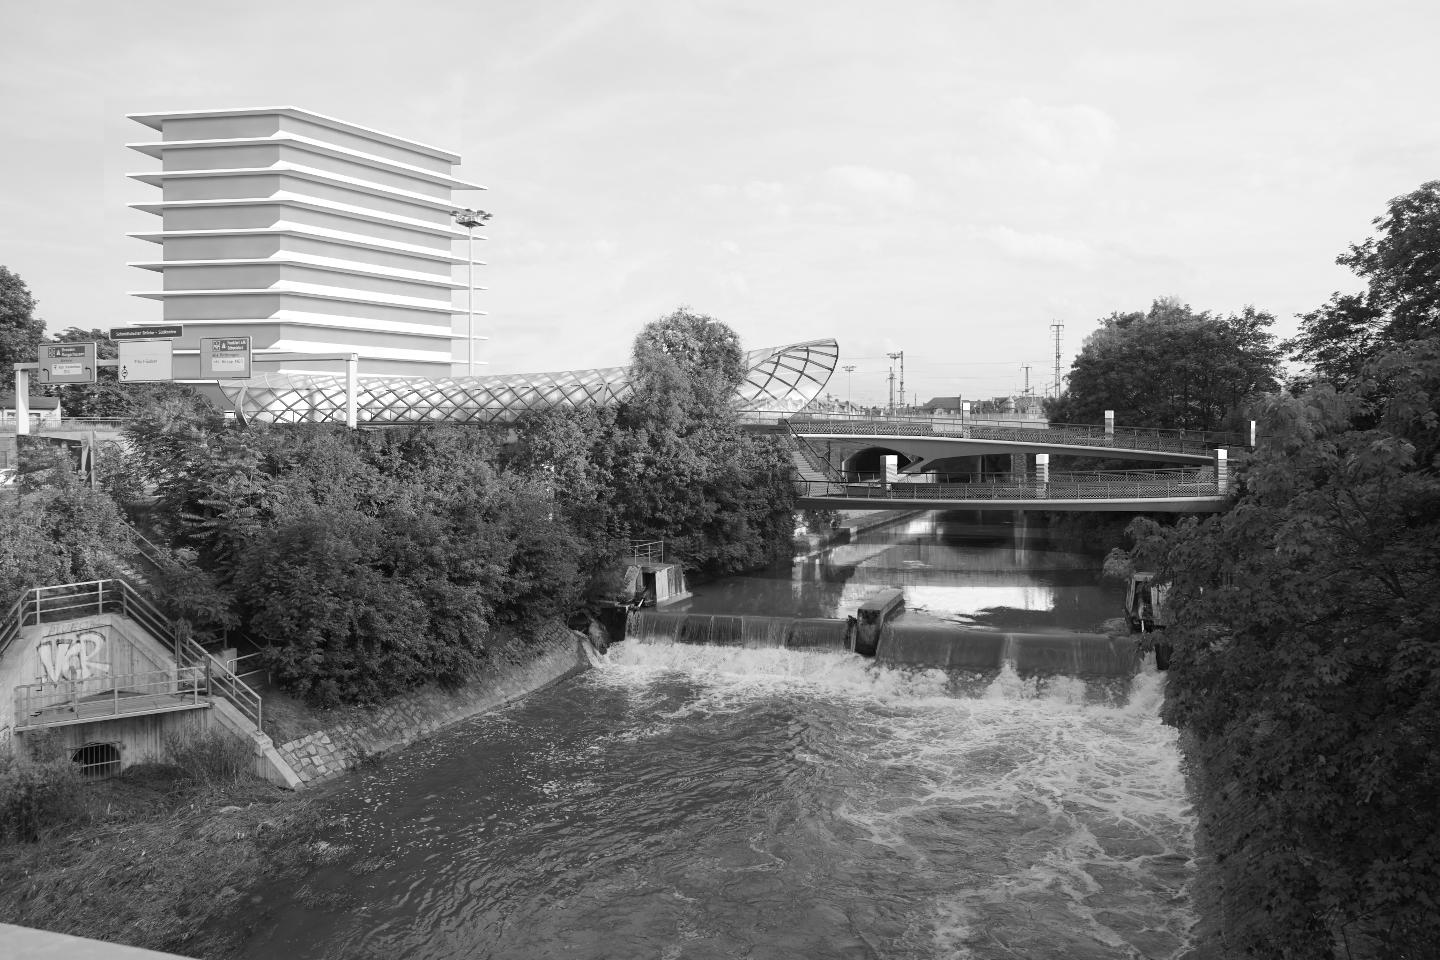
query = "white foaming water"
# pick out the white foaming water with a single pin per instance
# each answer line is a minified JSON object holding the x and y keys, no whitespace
{"x":1044,"y":823}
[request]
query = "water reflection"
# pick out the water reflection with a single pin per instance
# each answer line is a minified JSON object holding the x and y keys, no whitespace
{"x":954,"y":567}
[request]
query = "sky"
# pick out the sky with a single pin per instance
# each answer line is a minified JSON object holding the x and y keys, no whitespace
{"x":947,"y":179}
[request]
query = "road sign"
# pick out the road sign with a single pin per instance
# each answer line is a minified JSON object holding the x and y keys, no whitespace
{"x":145,"y":361}
{"x":172,"y":332}
{"x":225,"y":358}
{"x":67,"y":362}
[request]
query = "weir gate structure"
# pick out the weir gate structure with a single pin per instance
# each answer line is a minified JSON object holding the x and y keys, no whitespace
{"x":926,"y":461}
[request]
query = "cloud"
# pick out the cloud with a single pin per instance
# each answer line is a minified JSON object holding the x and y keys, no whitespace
{"x":886,"y":186}
{"x":1040,"y":247}
{"x":1061,"y":131}
{"x":1069,"y":143}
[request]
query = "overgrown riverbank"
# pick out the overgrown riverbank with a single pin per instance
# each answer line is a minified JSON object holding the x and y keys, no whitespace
{"x":156,"y":856}
{"x":153,"y":856}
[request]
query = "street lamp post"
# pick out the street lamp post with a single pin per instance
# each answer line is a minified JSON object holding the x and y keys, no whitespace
{"x":849,"y":369}
{"x":470,"y":219}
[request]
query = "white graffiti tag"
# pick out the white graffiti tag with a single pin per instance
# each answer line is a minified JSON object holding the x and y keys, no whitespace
{"x":73,"y":657}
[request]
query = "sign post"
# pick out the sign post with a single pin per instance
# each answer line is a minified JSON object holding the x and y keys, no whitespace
{"x":225,"y":358}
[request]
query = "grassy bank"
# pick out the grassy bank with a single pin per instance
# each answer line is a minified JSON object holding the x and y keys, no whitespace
{"x":155,"y":857}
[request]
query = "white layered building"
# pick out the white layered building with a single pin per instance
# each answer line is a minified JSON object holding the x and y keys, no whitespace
{"x":311,"y":236}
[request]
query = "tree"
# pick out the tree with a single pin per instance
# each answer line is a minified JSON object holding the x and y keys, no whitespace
{"x":1401,"y":302}
{"x":671,"y":461}
{"x":20,"y":330}
{"x":1306,"y":669}
{"x":688,"y":358}
{"x":1171,"y":367}
{"x":60,"y":532}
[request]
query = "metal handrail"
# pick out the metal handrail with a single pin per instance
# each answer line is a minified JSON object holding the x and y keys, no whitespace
{"x":74,"y":423}
{"x":70,"y":600}
{"x":10,"y":625}
{"x":821,"y":464}
{"x":651,"y":551}
{"x":71,"y":701}
{"x":1095,"y":485}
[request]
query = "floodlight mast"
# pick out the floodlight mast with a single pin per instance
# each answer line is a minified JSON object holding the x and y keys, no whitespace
{"x":470,"y":219}
{"x":898,"y":355}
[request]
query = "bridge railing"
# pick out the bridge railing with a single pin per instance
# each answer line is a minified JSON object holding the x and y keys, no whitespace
{"x":1199,"y":442}
{"x":64,"y":424}
{"x":1092,"y":485}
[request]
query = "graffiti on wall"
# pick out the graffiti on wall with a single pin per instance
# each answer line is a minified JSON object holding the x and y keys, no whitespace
{"x":72,"y":656}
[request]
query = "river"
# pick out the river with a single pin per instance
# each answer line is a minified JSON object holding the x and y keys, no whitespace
{"x":694,"y":801}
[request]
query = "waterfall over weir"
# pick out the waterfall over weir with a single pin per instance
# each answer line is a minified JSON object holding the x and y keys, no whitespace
{"x":903,"y":643}
{"x":740,"y":631}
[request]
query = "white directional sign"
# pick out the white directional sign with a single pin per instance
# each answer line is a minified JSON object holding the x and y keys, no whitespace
{"x":144,"y":361}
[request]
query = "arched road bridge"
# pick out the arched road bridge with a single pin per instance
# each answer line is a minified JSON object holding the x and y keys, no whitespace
{"x":929,"y":445}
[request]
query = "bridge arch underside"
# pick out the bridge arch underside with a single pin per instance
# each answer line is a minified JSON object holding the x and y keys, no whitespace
{"x":944,"y":454}
{"x":871,"y":460}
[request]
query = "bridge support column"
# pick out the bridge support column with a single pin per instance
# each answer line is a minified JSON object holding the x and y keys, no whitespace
{"x":1222,"y":471}
{"x":1109,"y":423}
{"x":22,"y":401}
{"x":1252,"y":434}
{"x":1042,"y":470}
{"x":352,"y":389}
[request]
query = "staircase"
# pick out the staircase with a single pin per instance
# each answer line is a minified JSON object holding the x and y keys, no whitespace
{"x":811,"y":466}
{"x":73,"y":600}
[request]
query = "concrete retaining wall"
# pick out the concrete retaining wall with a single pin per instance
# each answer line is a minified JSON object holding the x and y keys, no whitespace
{"x":363,"y":732}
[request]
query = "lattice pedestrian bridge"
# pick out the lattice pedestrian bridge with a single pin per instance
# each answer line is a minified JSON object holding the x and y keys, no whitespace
{"x":781,"y":391}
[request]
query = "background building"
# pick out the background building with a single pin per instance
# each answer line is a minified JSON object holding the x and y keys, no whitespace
{"x":308,"y":234}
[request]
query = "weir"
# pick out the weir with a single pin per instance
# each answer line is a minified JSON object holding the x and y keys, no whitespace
{"x":903,"y":643}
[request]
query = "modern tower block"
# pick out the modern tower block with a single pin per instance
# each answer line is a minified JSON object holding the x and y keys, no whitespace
{"x":308,"y":234}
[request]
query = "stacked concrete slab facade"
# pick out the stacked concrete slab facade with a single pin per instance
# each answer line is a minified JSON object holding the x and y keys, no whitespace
{"x":309,"y":234}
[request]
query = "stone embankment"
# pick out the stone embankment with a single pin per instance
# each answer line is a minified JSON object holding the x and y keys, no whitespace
{"x":358,"y":733}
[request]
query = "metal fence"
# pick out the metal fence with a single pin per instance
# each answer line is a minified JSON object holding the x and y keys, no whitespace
{"x":110,"y":695}
{"x":53,"y":424}
{"x":1095,"y":485}
{"x":1195,"y":442}
{"x":71,"y":600}
{"x":648,"y":551}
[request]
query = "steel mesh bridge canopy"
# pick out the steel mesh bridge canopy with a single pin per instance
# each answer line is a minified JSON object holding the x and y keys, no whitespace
{"x":782,"y":379}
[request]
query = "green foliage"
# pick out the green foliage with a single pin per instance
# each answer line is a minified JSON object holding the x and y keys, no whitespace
{"x":367,"y":563}
{"x":20,"y":330}
{"x":38,"y":793}
{"x":1307,"y":667}
{"x":687,"y":364}
{"x":1401,"y":302}
{"x":670,"y":462}
{"x":60,"y":533}
{"x":208,"y":758}
{"x":1171,"y":367}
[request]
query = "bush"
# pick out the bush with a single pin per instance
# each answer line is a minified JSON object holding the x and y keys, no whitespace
{"x":210,"y":758}
{"x":38,"y":795}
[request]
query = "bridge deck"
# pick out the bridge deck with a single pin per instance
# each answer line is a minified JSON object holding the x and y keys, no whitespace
{"x":996,"y":437}
{"x":1179,"y":491}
